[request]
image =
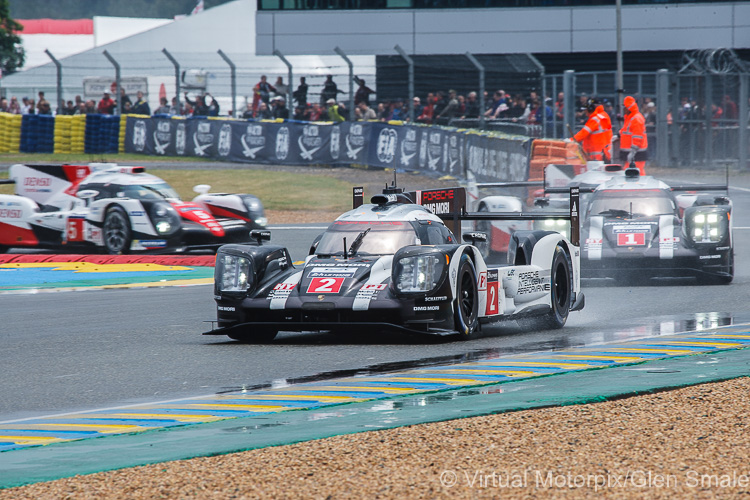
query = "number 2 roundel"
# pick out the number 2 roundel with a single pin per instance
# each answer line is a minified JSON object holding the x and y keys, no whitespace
{"x":325,"y":285}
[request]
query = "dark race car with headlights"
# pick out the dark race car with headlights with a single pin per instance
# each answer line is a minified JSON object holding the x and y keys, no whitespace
{"x":636,"y":227}
{"x":119,"y":210}
{"x":394,"y":265}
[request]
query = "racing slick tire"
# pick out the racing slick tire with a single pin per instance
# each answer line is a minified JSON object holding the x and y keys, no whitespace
{"x":116,"y":231}
{"x":257,"y":336}
{"x":561,"y":292}
{"x":466,"y":306}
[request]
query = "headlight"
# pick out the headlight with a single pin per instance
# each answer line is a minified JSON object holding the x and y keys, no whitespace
{"x":706,"y":227}
{"x":557,"y":225}
{"x":255,"y":209}
{"x":232,"y":273}
{"x":261,"y":221}
{"x":165,"y":219}
{"x":420,"y":273}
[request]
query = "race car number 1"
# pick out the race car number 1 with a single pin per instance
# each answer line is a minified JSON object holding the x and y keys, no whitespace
{"x":325,"y":285}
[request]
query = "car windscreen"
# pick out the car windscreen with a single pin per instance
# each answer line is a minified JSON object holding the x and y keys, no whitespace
{"x":641,"y":203}
{"x":156,"y":191}
{"x":383,"y":238}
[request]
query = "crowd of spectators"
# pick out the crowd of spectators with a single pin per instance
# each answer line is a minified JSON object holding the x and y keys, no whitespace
{"x":438,"y":107}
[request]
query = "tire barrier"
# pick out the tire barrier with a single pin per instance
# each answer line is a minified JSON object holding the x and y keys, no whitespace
{"x":10,"y":133}
{"x":102,"y":134}
{"x":37,"y":134}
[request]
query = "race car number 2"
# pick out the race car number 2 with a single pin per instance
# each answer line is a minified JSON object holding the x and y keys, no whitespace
{"x":325,"y":285}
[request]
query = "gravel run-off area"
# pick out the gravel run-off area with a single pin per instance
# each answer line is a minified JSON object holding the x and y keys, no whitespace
{"x":687,"y":443}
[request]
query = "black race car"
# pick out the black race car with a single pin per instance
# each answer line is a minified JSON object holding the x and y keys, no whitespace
{"x":394,"y":265}
{"x":635,"y":227}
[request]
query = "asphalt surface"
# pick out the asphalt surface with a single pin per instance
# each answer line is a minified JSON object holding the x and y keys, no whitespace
{"x":74,"y":351}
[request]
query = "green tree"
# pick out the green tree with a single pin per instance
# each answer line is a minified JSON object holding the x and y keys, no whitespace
{"x":11,"y":50}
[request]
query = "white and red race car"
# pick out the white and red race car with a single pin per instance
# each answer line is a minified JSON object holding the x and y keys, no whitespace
{"x":118,"y":209}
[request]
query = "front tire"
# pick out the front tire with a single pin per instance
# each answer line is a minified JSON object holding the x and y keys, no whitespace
{"x":466,"y":305}
{"x":117,"y":234}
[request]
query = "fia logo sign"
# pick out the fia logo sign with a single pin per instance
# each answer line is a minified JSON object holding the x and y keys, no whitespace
{"x":282,"y":143}
{"x":387,"y":141}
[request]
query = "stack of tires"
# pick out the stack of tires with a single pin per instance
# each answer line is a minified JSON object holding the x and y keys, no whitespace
{"x":102,"y":134}
{"x":63,"y":127}
{"x":10,"y":132}
{"x":77,"y":133}
{"x":37,"y":134}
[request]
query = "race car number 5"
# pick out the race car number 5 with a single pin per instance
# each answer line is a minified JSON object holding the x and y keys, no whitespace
{"x":325,"y":285}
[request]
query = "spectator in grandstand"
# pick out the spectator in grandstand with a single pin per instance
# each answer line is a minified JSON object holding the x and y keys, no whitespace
{"x":439,"y":104}
{"x":330,"y":90}
{"x":42,"y":105}
{"x":264,"y":113}
{"x":249,"y":113}
{"x":70,"y":108}
{"x":425,"y":116}
{"x":363,"y":92}
{"x":124,"y":99}
{"x":262,"y":92}
{"x":649,"y":114}
{"x":300,"y":95}
{"x":499,"y":106}
{"x":471,"y":110}
{"x":560,"y":106}
{"x":279,"y":108}
{"x":302,"y":113}
{"x":418,"y":108}
{"x":384,"y":111}
{"x":81,"y":109}
{"x":213,"y":109}
{"x":519,"y":110}
{"x":461,"y":105}
{"x":15,"y":106}
{"x":546,"y":112}
{"x":450,"y":110}
{"x":175,"y":109}
{"x":317,"y":113}
{"x":78,"y":101}
{"x":91,"y":107}
{"x":335,"y":111}
{"x":127,"y":109}
{"x":281,"y":88}
{"x":398,"y":112}
{"x":198,"y":105}
{"x":187,"y":110}
{"x":4,"y":105}
{"x":717,"y":114}
{"x":25,"y":106}
{"x":163,"y":108}
{"x":106,"y":105}
{"x":141,"y":106}
{"x":363,"y":112}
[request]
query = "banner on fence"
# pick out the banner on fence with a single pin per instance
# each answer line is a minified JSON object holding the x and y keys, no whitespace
{"x":429,"y":150}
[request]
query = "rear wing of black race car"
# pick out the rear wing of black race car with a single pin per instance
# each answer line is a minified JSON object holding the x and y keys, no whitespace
{"x":450,"y":205}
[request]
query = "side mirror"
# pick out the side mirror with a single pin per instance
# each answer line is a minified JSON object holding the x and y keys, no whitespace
{"x":474,"y":237}
{"x":541,"y":202}
{"x":202,"y":188}
{"x":87,"y":194}
{"x":260,"y":235}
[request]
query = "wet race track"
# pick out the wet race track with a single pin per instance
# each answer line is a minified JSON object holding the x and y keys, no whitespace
{"x":78,"y":351}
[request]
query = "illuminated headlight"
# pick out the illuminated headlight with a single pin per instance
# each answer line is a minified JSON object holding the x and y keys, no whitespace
{"x":163,"y":227}
{"x":420,"y":273}
{"x":232,"y":273}
{"x":707,"y":227}
{"x":261,"y":221}
{"x":165,"y":219}
{"x":549,"y":222}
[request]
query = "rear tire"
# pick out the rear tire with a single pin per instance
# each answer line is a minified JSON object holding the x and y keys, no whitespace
{"x":116,"y":231}
{"x":256,"y":336}
{"x":561,"y":293}
{"x":466,"y":305}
